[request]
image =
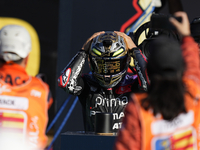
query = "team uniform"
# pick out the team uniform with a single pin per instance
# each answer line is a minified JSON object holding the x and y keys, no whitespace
{"x":95,"y":98}
{"x":142,"y":130}
{"x":24,"y":102}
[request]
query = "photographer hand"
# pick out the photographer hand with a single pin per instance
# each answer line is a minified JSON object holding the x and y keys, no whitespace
{"x":128,"y":40}
{"x":182,"y":27}
{"x":87,"y":44}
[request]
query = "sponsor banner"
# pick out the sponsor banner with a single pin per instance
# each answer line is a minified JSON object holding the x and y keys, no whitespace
{"x":13,"y":102}
{"x":163,"y":126}
{"x":179,"y":140}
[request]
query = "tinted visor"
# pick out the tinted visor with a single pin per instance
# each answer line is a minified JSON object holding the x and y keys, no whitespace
{"x":108,"y":66}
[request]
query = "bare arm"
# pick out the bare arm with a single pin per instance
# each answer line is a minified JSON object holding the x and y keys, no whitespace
{"x":189,"y":48}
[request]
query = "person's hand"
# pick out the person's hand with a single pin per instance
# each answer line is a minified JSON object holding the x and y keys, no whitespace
{"x":128,"y":40}
{"x":87,"y":44}
{"x":182,"y":27}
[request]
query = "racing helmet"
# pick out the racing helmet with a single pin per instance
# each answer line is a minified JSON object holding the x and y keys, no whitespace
{"x":108,"y":59}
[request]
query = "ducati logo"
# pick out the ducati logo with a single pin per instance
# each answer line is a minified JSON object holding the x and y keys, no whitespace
{"x":65,"y":76}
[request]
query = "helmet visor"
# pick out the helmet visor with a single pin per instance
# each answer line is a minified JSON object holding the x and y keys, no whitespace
{"x":108,"y":66}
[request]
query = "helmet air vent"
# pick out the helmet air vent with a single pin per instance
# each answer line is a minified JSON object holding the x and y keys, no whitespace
{"x":107,"y":43}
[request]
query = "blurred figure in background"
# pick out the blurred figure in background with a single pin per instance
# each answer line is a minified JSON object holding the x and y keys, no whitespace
{"x":168,"y":115}
{"x":24,"y":100}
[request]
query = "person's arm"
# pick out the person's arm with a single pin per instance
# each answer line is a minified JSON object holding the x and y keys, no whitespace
{"x":70,"y":79}
{"x":140,"y":66}
{"x":129,"y":136}
{"x":191,"y":58}
{"x":139,"y":61}
{"x":189,"y":48}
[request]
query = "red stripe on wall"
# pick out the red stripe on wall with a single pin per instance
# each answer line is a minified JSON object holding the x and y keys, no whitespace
{"x":134,"y":18}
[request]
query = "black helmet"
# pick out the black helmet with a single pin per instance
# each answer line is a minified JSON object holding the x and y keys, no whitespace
{"x":108,"y":59}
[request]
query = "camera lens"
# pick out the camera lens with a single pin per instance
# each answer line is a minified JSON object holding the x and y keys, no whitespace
{"x":144,"y":47}
{"x":146,"y":50}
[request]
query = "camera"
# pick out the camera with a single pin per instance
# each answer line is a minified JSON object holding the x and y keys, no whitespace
{"x":161,"y":21}
{"x":159,"y":24}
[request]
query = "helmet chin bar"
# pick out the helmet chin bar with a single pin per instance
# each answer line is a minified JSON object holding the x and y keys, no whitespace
{"x":109,"y":81}
{"x":107,"y":78}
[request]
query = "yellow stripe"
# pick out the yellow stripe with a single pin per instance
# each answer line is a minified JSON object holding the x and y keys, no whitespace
{"x":11,"y":124}
{"x":183,"y":134}
{"x":184,"y":142}
{"x":144,"y":3}
{"x":191,"y":148}
{"x":13,"y":115}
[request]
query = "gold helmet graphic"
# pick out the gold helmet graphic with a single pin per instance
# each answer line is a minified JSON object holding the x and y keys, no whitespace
{"x":108,"y":59}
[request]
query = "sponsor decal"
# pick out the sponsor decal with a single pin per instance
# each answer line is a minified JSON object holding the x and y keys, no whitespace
{"x":100,"y":101}
{"x":163,"y":126}
{"x":118,"y":116}
{"x":34,"y":133}
{"x":13,"y":102}
{"x":108,"y":67}
{"x":117,"y":125}
{"x":113,"y":105}
{"x":183,"y":139}
{"x":4,"y":88}
{"x":64,"y":78}
{"x":73,"y":85}
{"x":144,"y":83}
{"x":36,"y":93}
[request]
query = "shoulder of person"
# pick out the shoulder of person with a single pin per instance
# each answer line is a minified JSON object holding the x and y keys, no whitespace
{"x":40,"y":79}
